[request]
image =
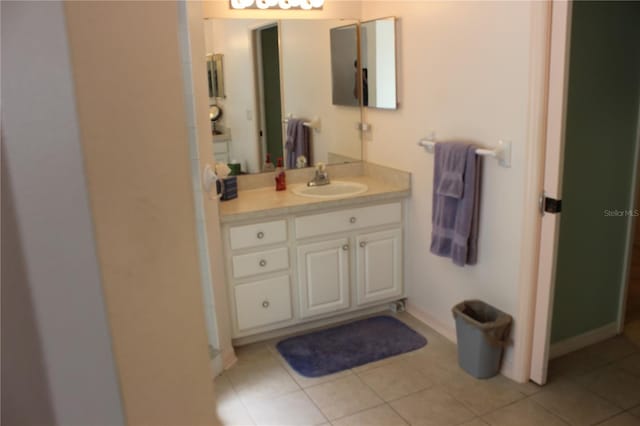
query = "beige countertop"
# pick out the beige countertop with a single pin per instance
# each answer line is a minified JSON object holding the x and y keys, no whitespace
{"x":266,"y":201}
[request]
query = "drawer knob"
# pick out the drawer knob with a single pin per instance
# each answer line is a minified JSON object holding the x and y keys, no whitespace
{"x":345,"y":247}
{"x":263,"y":263}
{"x":265,"y":304}
{"x":352,"y":219}
{"x":260,"y":235}
{"x":363,"y":243}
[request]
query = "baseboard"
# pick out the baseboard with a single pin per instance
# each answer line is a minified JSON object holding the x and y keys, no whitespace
{"x":310,"y":325}
{"x":438,"y":326}
{"x":583,"y":340}
{"x":217,"y":365}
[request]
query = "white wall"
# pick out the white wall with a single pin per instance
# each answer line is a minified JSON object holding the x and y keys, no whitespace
{"x":463,"y":73}
{"x":52,"y":295}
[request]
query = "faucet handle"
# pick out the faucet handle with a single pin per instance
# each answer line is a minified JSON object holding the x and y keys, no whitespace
{"x":320,"y":166}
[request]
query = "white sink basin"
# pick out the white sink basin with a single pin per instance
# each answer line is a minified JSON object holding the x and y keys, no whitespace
{"x":336,"y":189}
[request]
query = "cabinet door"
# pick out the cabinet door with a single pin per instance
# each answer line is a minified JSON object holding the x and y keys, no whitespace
{"x":323,"y":277}
{"x":378,"y":259}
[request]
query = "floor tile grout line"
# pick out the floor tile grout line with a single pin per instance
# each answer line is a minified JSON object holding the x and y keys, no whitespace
{"x":586,"y":388}
{"x":237,"y":394}
{"x":316,"y":405}
{"x":569,"y":421}
{"x":526,"y":397}
{"x":610,"y":417}
{"x":493,"y":410}
{"x":357,"y":412}
{"x":304,"y":390}
{"x":468,"y":407}
{"x":244,"y":403}
{"x":398,"y":413}
{"x":548,"y":410}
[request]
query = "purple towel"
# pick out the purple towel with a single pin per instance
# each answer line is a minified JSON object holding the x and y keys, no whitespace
{"x":297,"y":142}
{"x":456,"y":202}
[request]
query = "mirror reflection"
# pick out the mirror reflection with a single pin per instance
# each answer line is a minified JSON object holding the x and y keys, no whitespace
{"x":278,"y":94}
{"x":215,"y":75}
{"x":378,"y":55}
{"x":344,"y":65}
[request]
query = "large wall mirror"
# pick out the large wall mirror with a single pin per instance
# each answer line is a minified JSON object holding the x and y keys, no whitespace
{"x":275,"y":72}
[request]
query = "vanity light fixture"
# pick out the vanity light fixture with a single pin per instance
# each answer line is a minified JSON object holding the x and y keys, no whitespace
{"x":277,"y":4}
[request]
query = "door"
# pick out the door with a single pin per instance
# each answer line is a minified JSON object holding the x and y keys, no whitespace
{"x":379,"y":268}
{"x":323,"y":277}
{"x":558,"y":72}
{"x":271,"y":128}
{"x":592,"y":144}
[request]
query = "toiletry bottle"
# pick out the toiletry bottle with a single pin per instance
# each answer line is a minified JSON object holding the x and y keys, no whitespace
{"x":268,"y":165}
{"x":281,"y":178}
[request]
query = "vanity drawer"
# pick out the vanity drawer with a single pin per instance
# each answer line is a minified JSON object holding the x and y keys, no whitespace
{"x":258,"y":263}
{"x":256,"y":235}
{"x":347,"y":220}
{"x":263,"y":302}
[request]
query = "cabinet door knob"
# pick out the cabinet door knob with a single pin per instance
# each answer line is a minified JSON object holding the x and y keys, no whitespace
{"x":265,"y":304}
{"x":363,"y":243}
{"x":263,"y":263}
{"x":345,"y":247}
{"x":260,"y":235}
{"x":352,"y":219}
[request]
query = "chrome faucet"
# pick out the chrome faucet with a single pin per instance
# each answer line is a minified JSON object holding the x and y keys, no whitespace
{"x":321,"y":176}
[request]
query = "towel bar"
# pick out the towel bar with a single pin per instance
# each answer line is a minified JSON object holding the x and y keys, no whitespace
{"x":501,"y":152}
{"x":313,"y":124}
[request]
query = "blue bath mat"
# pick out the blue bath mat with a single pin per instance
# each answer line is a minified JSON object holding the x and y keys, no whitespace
{"x":350,"y":345}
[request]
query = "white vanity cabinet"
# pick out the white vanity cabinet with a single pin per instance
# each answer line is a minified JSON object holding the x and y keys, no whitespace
{"x":305,"y":267}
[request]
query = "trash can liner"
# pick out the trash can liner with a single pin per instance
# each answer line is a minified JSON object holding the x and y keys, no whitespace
{"x":482,"y":332}
{"x":495,"y":323}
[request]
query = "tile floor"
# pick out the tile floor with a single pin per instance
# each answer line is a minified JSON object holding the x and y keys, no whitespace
{"x":597,"y":385}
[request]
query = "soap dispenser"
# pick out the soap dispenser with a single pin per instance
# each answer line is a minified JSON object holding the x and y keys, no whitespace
{"x":281,"y":178}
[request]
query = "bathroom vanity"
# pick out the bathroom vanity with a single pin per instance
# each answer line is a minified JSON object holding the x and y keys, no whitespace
{"x":293,"y":260}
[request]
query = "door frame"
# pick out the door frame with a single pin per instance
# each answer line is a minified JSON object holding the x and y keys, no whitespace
{"x":553,"y":168}
{"x":261,"y":118}
{"x":632,"y":223}
{"x":541,"y":15}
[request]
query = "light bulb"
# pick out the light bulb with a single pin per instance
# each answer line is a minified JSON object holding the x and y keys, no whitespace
{"x":282,"y":4}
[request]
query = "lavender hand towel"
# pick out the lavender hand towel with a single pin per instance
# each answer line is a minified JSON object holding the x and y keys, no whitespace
{"x":455,"y":203}
{"x":297,"y":143}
